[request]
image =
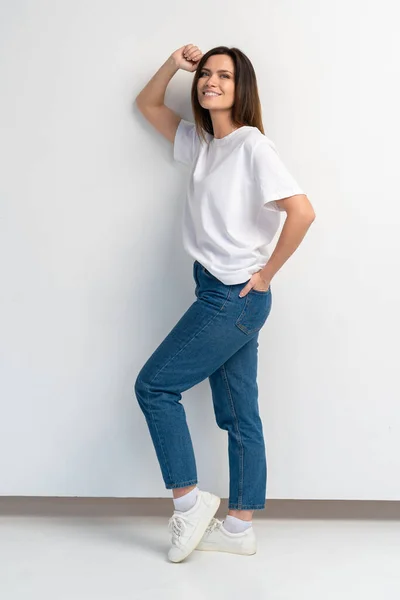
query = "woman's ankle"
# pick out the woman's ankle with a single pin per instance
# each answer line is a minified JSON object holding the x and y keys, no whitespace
{"x":179,"y":492}
{"x":243,"y":515}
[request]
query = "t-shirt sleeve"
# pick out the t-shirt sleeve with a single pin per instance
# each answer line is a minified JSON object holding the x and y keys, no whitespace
{"x":273,"y":178}
{"x":186,"y":142}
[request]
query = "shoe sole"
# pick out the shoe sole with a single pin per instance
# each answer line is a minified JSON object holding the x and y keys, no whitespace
{"x":228,"y":551}
{"x":202,"y":526}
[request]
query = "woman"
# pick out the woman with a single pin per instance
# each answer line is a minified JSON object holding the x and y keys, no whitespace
{"x":238,"y":187}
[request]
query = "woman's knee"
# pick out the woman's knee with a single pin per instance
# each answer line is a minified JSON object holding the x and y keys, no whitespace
{"x":141,"y":392}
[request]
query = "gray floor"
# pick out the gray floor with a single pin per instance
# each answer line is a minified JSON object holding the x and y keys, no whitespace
{"x":64,"y":556}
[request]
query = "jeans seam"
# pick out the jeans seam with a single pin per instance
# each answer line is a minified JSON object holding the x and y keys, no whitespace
{"x":239,"y":437}
{"x":192,"y":338}
{"x":156,"y":428}
{"x":237,"y":323}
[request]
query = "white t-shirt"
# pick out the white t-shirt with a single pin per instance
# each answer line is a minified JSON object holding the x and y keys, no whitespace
{"x":230,"y":215}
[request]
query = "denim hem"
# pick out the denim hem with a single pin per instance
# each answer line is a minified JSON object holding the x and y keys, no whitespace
{"x":171,"y":486}
{"x":246,"y":507}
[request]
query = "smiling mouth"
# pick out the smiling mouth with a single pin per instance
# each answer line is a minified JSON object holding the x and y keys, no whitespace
{"x":210,"y":94}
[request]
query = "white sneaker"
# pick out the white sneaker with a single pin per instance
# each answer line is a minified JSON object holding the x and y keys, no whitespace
{"x":188,"y":527}
{"x":218,"y":539}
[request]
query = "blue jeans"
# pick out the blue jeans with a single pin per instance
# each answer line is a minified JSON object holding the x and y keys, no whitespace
{"x":217,"y":337}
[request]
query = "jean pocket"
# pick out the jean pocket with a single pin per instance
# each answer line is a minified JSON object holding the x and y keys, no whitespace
{"x":256,"y":309}
{"x":253,"y":291}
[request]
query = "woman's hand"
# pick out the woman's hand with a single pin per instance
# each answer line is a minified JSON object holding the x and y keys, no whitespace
{"x":187,"y":57}
{"x":257,"y":283}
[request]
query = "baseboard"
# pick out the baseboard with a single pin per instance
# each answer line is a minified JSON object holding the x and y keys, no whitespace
{"x":120,"y":507}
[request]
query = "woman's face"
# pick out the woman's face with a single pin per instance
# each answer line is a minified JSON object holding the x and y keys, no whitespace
{"x":218,"y":76}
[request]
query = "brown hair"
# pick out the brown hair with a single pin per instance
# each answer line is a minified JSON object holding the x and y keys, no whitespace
{"x":246,"y":109}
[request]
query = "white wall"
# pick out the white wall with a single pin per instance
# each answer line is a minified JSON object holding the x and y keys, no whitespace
{"x":93,"y":273}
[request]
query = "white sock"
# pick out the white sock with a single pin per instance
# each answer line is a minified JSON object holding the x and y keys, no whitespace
{"x":235,"y":525}
{"x":187,"y":501}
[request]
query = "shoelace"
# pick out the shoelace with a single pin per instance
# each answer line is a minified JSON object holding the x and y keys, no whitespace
{"x":177,"y":527}
{"x":214,"y":524}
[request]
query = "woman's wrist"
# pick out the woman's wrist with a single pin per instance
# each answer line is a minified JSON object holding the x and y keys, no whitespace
{"x":171,"y":62}
{"x":265,"y":275}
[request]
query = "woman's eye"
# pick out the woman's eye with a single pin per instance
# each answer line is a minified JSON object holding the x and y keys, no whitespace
{"x":223,"y":74}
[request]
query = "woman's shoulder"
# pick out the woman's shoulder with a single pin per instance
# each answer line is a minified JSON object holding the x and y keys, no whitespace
{"x":256,"y":138}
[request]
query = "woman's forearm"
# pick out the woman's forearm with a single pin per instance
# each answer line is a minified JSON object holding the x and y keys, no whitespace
{"x":293,"y":232}
{"x":153,"y":93}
